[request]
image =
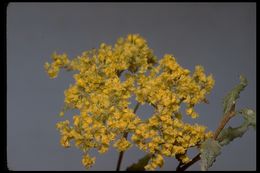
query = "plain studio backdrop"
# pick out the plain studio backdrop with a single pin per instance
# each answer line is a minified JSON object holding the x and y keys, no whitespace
{"x":219,"y":36}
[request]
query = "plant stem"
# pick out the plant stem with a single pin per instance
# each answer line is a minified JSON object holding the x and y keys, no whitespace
{"x":121,"y":154}
{"x":222,"y":124}
{"x":184,"y":167}
{"x":224,"y":121}
{"x":120,"y":158}
{"x":136,"y":107}
{"x":179,"y":166}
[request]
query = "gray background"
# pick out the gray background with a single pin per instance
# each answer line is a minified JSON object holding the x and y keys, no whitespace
{"x":219,"y":36}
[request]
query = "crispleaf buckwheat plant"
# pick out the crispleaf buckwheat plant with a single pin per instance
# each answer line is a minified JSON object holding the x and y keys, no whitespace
{"x":105,"y":118}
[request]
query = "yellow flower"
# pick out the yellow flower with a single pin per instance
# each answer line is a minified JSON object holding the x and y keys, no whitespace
{"x":184,"y":158}
{"x":75,"y":134}
{"x":76,"y":120}
{"x":103,"y":149}
{"x":156,"y":161}
{"x":65,"y":141}
{"x":88,"y":161}
{"x":122,"y":144}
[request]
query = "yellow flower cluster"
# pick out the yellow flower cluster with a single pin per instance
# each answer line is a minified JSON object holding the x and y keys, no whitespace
{"x":168,"y":89}
{"x":168,"y":136}
{"x":156,"y":161}
{"x":87,"y":161}
{"x":59,"y":61}
{"x":122,"y":144}
{"x":102,"y":99}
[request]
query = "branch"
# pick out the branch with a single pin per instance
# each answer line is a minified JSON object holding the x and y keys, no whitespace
{"x":184,"y":167}
{"x":224,"y":121}
{"x":222,"y":124}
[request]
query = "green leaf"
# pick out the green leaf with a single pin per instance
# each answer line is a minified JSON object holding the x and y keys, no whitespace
{"x":209,"y":150}
{"x":139,"y":166}
{"x":229,"y":134}
{"x":233,"y":95}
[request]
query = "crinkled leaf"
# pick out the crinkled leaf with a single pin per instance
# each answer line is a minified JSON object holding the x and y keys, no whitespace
{"x":209,"y":150}
{"x":249,"y":116}
{"x":139,"y":166}
{"x":229,"y":134}
{"x":233,"y":95}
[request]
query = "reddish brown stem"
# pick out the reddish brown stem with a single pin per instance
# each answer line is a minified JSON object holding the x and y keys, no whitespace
{"x":222,"y":124}
{"x":224,"y":121}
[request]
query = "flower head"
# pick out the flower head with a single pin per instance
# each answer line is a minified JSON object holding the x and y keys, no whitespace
{"x":103,"y":100}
